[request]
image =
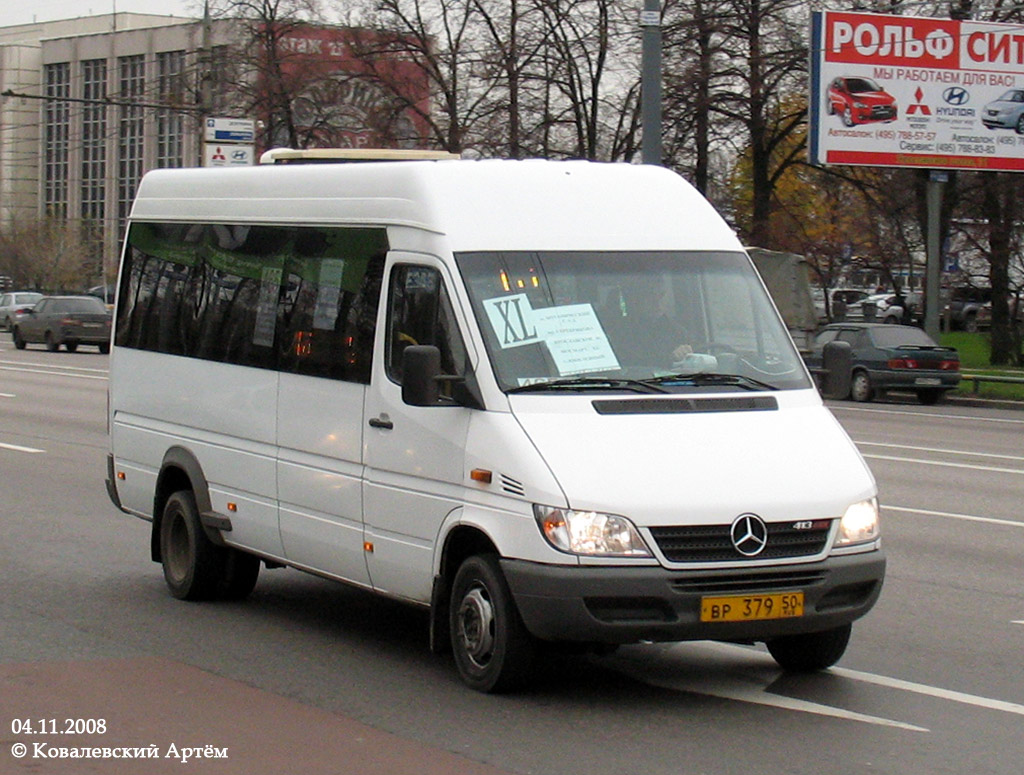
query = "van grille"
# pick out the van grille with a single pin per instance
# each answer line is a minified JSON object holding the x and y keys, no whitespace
{"x":765,"y":581}
{"x":713,"y":543}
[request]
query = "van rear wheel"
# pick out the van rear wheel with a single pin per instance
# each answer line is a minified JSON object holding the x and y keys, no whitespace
{"x":810,"y":651}
{"x":189,"y":557}
{"x":195,"y":568}
{"x":493,"y":650}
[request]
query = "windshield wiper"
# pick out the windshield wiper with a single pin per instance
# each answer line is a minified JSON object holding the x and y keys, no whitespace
{"x":701,"y":378}
{"x":590,"y":383}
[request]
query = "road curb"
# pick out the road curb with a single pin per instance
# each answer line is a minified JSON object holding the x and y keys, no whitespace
{"x":987,"y":403}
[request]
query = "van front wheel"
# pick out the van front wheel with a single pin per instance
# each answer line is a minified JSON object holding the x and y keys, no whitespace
{"x":493,"y":650}
{"x":810,"y":651}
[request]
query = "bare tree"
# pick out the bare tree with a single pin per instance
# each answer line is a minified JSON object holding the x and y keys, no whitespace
{"x":768,"y":41}
{"x":50,"y":254}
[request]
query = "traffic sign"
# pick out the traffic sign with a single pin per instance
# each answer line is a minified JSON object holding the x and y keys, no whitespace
{"x":230,"y":130}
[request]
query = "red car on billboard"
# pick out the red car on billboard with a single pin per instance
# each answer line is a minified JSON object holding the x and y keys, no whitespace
{"x":859,"y":100}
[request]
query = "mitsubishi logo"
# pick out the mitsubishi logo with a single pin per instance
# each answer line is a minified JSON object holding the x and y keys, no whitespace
{"x":749,"y":534}
{"x":919,"y":106}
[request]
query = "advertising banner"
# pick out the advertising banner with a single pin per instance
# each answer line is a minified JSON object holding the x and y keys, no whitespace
{"x":907,"y":91}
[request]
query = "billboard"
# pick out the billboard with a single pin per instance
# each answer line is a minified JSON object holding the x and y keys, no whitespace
{"x":908,"y":91}
{"x":352,"y":88}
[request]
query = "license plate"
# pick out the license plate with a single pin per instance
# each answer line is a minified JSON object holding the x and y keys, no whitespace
{"x":752,"y":608}
{"x":927,"y":381}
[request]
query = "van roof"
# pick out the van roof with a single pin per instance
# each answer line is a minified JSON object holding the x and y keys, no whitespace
{"x":478,"y":205}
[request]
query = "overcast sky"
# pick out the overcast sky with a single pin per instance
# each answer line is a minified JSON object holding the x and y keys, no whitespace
{"x":25,"y":12}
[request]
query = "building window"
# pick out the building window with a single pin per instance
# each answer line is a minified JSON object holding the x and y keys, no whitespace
{"x":58,"y":122}
{"x":170,"y":124}
{"x":94,"y":141}
{"x":131,"y":88}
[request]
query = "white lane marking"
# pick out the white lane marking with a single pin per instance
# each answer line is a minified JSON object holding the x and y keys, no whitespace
{"x":931,"y":691}
{"x":964,"y":517}
{"x":7,"y":395}
{"x":756,"y":695}
{"x":52,"y":366}
{"x":16,"y":448}
{"x":1017,"y":621}
{"x":971,"y":418}
{"x":751,"y":686}
{"x":965,"y":453}
{"x":963,"y":698}
{"x":56,"y":371}
{"x":918,"y":461}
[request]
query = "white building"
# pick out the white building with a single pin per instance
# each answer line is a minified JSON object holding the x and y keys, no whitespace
{"x":79,"y":122}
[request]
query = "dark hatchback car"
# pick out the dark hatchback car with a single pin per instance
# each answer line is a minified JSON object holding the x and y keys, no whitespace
{"x":888,"y":357}
{"x":65,"y":320}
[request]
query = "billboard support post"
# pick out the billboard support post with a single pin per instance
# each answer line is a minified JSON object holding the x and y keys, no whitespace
{"x":650,"y":90}
{"x":936,"y":186}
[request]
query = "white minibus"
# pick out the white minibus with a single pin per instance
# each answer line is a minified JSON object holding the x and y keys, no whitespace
{"x":552,"y":402}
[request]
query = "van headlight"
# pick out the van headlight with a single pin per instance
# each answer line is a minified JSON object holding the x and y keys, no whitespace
{"x":859,"y":524}
{"x":590,"y":533}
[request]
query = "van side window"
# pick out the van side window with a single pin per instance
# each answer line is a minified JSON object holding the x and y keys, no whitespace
{"x":296,"y":299}
{"x":420,"y":312}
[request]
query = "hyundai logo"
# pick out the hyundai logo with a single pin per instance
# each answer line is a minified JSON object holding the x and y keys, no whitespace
{"x":749,"y":534}
{"x":956,"y":95}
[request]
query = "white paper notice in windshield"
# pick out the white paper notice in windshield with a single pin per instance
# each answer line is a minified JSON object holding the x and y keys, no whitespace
{"x":575,"y":339}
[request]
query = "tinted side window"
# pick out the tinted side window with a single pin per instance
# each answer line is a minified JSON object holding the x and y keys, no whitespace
{"x":327,"y":311}
{"x":298,"y":299}
{"x":420,"y":312}
{"x":42,"y":306}
{"x":849,"y":335}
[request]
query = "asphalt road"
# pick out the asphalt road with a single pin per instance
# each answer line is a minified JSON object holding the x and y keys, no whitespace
{"x":310,"y":676}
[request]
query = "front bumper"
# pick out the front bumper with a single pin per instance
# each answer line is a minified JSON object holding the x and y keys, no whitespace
{"x":616,"y":604}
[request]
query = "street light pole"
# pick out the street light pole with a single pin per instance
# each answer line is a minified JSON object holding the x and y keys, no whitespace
{"x":650,"y":90}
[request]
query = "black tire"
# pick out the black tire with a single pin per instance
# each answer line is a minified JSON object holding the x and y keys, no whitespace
{"x":810,"y":651}
{"x":240,"y":573}
{"x":51,"y":344}
{"x":929,"y":397}
{"x":71,"y":346}
{"x":848,"y":116}
{"x":195,"y":568}
{"x":860,"y":387}
{"x":493,"y":650}
{"x":19,"y":343}
{"x":1019,"y":128}
{"x":971,"y":323}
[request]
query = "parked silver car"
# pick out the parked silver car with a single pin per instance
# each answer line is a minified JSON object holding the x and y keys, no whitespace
{"x":1007,"y":112}
{"x":65,"y":320}
{"x":14,"y":305}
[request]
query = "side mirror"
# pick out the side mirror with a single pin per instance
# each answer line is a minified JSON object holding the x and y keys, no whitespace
{"x":421,"y":366}
{"x":837,"y":365}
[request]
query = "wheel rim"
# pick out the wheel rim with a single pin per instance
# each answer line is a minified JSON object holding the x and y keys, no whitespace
{"x":861,"y":387}
{"x":178,"y":552}
{"x":476,"y":626}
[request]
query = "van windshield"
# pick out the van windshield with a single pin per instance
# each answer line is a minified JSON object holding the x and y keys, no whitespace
{"x":680,"y":321}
